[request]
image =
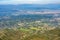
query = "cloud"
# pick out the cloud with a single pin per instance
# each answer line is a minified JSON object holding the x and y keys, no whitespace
{"x":28,"y":1}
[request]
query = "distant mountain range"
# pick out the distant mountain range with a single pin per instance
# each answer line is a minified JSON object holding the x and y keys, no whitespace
{"x":26,"y":8}
{"x":4,"y":8}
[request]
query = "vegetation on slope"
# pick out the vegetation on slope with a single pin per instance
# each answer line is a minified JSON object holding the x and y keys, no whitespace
{"x":12,"y":34}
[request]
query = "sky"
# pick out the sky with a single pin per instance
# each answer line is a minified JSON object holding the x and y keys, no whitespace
{"x":29,"y":1}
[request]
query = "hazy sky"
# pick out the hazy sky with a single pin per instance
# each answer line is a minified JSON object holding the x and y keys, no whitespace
{"x":28,"y":1}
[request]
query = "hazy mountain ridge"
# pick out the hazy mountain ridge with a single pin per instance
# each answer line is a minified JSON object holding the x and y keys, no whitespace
{"x":29,"y":7}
